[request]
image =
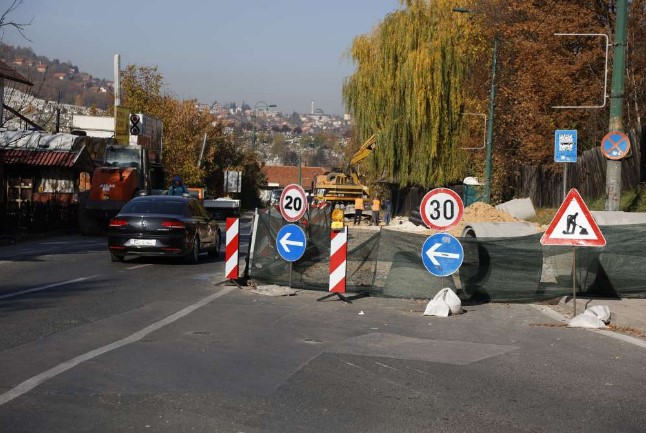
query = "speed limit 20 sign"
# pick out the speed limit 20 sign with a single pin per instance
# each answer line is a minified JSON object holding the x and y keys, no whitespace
{"x":293,"y":203}
{"x":441,"y":209}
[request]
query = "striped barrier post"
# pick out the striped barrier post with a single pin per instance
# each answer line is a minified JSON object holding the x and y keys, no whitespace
{"x":338,"y":257}
{"x":231,"y":254}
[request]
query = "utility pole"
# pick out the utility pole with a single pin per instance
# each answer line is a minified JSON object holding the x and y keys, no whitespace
{"x":613,"y":168}
{"x":492,"y":106}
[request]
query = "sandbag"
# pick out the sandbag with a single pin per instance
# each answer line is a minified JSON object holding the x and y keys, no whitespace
{"x":600,"y":311}
{"x":444,"y":303}
{"x":586,"y":321}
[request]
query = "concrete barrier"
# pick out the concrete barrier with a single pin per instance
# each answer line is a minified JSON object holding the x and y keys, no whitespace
{"x":618,"y":218}
{"x":521,"y":208}
{"x":499,"y":230}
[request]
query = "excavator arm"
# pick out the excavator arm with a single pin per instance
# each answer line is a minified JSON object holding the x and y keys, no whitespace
{"x":364,"y":151}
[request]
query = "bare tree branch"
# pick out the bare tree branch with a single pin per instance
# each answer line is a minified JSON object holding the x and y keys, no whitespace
{"x":6,"y":22}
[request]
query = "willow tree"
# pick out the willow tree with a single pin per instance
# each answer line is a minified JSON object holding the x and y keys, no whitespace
{"x":406,"y":89}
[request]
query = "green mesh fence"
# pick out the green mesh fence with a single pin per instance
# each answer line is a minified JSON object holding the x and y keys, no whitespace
{"x":388,"y":262}
{"x":312,"y":270}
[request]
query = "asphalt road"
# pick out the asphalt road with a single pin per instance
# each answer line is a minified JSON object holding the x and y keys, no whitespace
{"x":87,"y":345}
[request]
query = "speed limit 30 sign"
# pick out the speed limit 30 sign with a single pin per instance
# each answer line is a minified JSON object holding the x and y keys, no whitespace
{"x":441,"y":209}
{"x":293,"y":203}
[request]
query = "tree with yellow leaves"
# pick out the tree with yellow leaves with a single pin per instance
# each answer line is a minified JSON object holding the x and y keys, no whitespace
{"x":406,"y":90}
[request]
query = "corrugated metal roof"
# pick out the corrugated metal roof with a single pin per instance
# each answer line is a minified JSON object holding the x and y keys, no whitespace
{"x":10,"y":73}
{"x":39,"y":158}
{"x":36,"y":140}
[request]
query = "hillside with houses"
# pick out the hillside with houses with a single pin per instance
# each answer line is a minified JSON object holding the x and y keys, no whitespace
{"x":57,"y":80}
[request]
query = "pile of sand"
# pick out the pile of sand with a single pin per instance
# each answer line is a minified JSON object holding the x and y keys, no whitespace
{"x":475,"y":213}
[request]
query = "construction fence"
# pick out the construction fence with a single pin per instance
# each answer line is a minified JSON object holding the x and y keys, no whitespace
{"x":388,"y":262}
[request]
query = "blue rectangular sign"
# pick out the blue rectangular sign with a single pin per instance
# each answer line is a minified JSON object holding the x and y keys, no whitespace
{"x":565,"y":145}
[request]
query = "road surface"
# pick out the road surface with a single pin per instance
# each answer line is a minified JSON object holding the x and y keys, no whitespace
{"x":87,"y":345}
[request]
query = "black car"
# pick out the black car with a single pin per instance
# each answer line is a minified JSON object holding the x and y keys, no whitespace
{"x":163,"y":226}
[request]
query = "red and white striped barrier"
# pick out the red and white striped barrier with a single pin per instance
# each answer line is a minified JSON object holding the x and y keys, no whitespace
{"x":338,"y":254}
{"x":231,"y":255}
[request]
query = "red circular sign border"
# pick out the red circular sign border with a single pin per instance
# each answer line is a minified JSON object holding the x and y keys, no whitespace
{"x":434,"y":192}
{"x":282,"y":195}
{"x":615,"y":158}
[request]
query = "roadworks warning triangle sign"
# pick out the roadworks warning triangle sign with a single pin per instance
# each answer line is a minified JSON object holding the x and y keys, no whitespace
{"x":573,"y":225}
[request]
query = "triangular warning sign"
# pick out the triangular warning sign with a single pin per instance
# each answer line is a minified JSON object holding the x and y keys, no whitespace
{"x":573,"y":225}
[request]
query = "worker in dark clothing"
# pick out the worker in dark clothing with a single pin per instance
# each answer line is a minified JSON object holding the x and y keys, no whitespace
{"x":177,"y":187}
{"x":388,"y":208}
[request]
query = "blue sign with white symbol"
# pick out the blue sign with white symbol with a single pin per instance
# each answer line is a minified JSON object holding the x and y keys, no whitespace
{"x":565,"y":145}
{"x":442,"y":254}
{"x":291,"y":242}
{"x":615,"y":145}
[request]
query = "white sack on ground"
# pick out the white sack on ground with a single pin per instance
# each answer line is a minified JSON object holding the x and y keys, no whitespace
{"x":600,"y":311}
{"x":444,"y":303}
{"x":586,"y":321}
{"x":596,"y":317}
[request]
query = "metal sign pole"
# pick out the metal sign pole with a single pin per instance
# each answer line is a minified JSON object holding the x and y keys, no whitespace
{"x":290,"y":274}
{"x":573,"y":281}
{"x":565,"y":180}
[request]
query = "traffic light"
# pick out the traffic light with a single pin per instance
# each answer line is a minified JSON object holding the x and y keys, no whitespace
{"x":135,"y":124}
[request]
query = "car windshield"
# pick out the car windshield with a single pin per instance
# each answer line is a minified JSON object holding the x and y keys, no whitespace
{"x":164,"y":207}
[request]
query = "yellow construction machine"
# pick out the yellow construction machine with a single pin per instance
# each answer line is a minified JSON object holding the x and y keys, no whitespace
{"x":343,"y":188}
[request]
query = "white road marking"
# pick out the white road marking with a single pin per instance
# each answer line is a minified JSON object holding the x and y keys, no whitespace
{"x":48,"y":286}
{"x":385,"y":366}
{"x":140,"y":266}
{"x":33,"y":382}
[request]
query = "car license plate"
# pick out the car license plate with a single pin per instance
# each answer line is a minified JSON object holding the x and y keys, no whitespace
{"x":143,"y":242}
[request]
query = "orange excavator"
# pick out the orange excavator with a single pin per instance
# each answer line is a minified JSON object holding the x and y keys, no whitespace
{"x":125,"y":172}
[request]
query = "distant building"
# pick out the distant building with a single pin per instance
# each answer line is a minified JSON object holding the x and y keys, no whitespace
{"x":279,"y":176}
{"x":41,"y":67}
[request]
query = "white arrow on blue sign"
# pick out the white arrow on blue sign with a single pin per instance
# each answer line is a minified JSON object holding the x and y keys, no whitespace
{"x":291,"y":242}
{"x":442,"y":254}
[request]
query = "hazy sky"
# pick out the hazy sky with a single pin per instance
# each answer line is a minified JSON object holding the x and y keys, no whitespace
{"x":283,"y":52}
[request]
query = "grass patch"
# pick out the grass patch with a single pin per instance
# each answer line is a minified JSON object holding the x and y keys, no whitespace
{"x":631,"y":200}
{"x":543,"y":216}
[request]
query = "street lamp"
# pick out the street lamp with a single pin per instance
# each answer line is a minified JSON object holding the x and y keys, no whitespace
{"x":492,"y":105}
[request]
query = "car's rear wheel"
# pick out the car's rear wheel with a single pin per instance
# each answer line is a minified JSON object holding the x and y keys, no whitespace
{"x":194,"y":255}
{"x":116,"y":258}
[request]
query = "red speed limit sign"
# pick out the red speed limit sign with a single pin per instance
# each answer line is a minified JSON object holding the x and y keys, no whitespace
{"x":441,"y":209}
{"x":293,"y":202}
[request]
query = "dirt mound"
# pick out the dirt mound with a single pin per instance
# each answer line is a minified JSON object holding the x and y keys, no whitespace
{"x":475,"y":213}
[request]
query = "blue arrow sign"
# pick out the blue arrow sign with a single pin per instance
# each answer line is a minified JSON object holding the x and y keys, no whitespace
{"x":442,"y":254}
{"x":565,"y":145}
{"x":291,"y":242}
